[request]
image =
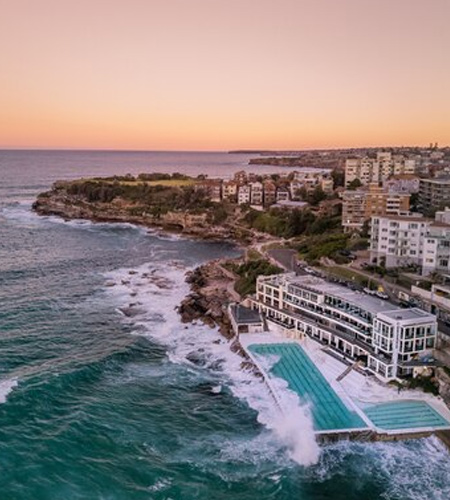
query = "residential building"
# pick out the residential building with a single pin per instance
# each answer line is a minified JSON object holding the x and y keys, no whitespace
{"x":353,"y":210}
{"x":358,"y":206}
{"x":377,"y":170}
{"x":397,"y":241}
{"x":282,"y":194}
{"x":244,"y":194}
{"x":404,"y":183}
{"x":434,"y":194}
{"x":257,"y":194}
{"x":229,"y":190}
{"x":387,"y":340}
{"x":270,"y":192}
{"x":311,"y":179}
{"x":240,"y":177}
{"x":436,"y":249}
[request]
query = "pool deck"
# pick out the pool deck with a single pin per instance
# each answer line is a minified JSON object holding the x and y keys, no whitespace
{"x":357,"y":407}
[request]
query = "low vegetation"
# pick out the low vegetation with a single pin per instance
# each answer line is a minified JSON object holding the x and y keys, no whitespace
{"x":290,"y":223}
{"x":249,"y":271}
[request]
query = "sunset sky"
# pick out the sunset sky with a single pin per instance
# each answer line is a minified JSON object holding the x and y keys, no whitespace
{"x":223,"y":74}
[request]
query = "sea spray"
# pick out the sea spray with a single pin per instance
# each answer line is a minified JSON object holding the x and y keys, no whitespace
{"x":6,"y":386}
{"x":292,"y":427}
{"x":293,"y":424}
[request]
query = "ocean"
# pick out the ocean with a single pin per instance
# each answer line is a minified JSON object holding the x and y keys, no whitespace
{"x":95,"y":404}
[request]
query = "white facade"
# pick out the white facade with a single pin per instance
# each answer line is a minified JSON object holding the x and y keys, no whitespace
{"x":354,"y":325}
{"x":244,"y":193}
{"x":436,"y":249}
{"x":378,"y":169}
{"x":397,"y":241}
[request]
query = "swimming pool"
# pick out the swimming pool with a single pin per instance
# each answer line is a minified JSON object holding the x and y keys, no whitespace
{"x":409,"y":414}
{"x":302,"y":376}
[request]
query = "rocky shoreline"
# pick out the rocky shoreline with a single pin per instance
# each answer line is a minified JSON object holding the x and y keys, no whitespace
{"x":212,"y":286}
{"x":59,"y":203}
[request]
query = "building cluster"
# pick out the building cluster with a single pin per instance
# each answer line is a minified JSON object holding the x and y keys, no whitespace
{"x":387,"y":340}
{"x":264,"y":190}
{"x":377,"y":170}
{"x":404,"y":240}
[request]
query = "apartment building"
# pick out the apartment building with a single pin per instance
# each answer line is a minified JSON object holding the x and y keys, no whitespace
{"x":397,"y":241}
{"x":244,"y":194}
{"x":404,"y":183}
{"x":282,"y":194}
{"x":257,"y":193}
{"x":270,"y":192}
{"x":360,"y":205}
{"x":436,"y":249}
{"x":229,"y":190}
{"x":240,"y":177}
{"x":389,"y":341}
{"x":434,"y":194}
{"x":377,"y":170}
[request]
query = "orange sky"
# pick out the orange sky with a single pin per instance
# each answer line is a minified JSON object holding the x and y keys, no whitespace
{"x":223,"y":74}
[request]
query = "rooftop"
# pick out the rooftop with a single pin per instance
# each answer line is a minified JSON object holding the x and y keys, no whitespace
{"x":408,"y":218}
{"x":414,"y":314}
{"x":372,"y":304}
{"x":244,"y":316}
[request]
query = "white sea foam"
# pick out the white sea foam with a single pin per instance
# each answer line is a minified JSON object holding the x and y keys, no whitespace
{"x":406,"y":470}
{"x":6,"y":386}
{"x":154,"y":291}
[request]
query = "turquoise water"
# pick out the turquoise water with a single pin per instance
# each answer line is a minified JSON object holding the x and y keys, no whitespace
{"x":302,"y":376}
{"x":405,"y":415}
{"x":95,"y":405}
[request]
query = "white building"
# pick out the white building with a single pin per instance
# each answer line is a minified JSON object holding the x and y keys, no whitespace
{"x":244,"y":194}
{"x":378,"y":169}
{"x":436,"y":249}
{"x":388,"y":340}
{"x":245,"y":320}
{"x":397,"y":241}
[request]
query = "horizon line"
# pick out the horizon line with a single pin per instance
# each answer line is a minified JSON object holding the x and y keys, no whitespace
{"x":234,"y":150}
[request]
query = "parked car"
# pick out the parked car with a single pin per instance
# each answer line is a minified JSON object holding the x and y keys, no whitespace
{"x":382,"y":295}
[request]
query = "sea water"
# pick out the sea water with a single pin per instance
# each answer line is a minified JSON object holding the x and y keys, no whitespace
{"x":105,"y":394}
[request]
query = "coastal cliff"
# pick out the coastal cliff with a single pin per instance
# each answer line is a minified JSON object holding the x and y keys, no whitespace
{"x":169,"y":208}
